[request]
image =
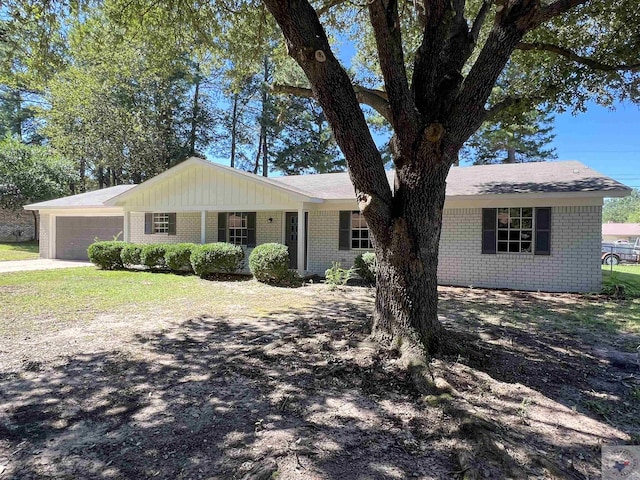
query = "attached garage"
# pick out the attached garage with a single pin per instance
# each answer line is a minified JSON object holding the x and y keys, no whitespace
{"x":75,"y":234}
{"x":69,"y":225}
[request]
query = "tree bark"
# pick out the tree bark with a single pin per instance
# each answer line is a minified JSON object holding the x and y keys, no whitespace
{"x":36,"y":227}
{"x":234,"y":126}
{"x":406,"y":284}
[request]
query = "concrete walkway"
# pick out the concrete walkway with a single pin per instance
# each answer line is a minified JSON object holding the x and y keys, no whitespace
{"x":40,"y":264}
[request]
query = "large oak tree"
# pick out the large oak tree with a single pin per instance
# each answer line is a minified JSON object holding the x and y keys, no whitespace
{"x":438,"y":80}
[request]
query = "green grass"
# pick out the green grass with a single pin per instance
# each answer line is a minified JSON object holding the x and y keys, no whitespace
{"x":35,"y":300}
{"x":18,"y":251}
{"x":627,"y":276}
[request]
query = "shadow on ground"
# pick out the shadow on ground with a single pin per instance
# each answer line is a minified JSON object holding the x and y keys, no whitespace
{"x":219,"y":397}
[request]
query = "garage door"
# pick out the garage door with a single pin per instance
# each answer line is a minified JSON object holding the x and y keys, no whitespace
{"x":75,"y":234}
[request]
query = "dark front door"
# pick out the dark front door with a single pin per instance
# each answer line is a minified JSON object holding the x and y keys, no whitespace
{"x":291,"y":237}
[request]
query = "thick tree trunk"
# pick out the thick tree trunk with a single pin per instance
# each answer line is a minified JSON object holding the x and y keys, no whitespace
{"x":407,"y":289}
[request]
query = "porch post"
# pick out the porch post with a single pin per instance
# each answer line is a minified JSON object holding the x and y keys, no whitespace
{"x":203,"y":227}
{"x":126,"y":234}
{"x":301,"y":241}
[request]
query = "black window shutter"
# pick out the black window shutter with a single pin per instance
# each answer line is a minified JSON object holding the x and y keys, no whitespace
{"x":489,"y":226}
{"x":148,"y":223}
{"x":344,"y":241}
{"x":172,"y":224}
{"x":543,"y":231}
{"x":222,"y":227}
{"x":251,"y":229}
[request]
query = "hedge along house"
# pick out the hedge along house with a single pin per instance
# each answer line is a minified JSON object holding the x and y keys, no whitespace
{"x":534,"y":226}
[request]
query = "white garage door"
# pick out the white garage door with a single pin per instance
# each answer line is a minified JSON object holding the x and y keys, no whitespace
{"x":75,"y":234}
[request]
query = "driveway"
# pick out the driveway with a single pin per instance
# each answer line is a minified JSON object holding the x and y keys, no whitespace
{"x":40,"y":264}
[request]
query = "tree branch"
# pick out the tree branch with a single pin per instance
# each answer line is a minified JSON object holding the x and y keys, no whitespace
{"x":511,"y":23}
{"x":328,"y":5}
{"x":308,"y":44}
{"x":480,"y":18}
{"x":557,"y":8}
{"x":574,"y":57}
{"x":376,"y":99}
{"x":386,"y":27}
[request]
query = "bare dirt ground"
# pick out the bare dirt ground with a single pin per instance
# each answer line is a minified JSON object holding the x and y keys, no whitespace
{"x":301,"y":393}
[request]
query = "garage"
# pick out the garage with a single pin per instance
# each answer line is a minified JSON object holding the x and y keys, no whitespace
{"x":75,"y":234}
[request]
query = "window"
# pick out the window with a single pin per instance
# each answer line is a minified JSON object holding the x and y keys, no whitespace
{"x":516,"y":230}
{"x":353,"y":231}
{"x":359,"y":231}
{"x":238,"y":228}
{"x":238,"y":232}
{"x":160,"y":223}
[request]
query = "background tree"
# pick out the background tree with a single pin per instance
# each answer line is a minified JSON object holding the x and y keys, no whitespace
{"x":526,"y":138}
{"x":31,"y":173}
{"x":622,"y":210}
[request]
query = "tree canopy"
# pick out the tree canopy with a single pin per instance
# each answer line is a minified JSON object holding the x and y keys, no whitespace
{"x":622,"y":210}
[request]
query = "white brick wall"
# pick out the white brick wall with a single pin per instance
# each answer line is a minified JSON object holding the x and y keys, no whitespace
{"x":574,"y":263}
{"x":43,"y":245}
{"x":187,"y":229}
{"x":323,"y":242}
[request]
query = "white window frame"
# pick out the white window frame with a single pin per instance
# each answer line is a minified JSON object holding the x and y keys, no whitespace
{"x":361,"y":227}
{"x":513,"y":234}
{"x":160,"y":223}
{"x":240,"y":235}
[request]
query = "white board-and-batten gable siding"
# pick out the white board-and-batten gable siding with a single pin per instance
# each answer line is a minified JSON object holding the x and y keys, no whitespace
{"x":201,"y":187}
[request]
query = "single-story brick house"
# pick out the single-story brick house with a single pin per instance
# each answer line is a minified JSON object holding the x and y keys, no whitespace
{"x":534,"y":226}
{"x":612,"y":232}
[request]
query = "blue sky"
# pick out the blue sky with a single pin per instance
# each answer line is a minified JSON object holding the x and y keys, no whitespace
{"x":606,"y":140}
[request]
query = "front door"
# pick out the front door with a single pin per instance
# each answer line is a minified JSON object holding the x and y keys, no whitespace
{"x":291,"y":237}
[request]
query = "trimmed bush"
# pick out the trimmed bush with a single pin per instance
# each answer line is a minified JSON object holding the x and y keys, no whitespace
{"x":106,"y":255}
{"x":366,"y":266}
{"x":269,"y":263}
{"x":216,"y":258}
{"x":178,"y":257}
{"x":152,"y":255}
{"x":130,"y":254}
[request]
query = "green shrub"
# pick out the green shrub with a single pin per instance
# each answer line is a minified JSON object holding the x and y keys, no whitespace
{"x":269,"y":263}
{"x":178,"y":257}
{"x":152,"y":255}
{"x":366,"y":267}
{"x":337,"y":276}
{"x":130,"y":254}
{"x":106,"y":255}
{"x":216,"y":258}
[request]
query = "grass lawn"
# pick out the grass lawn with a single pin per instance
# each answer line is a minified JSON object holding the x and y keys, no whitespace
{"x":18,"y":251}
{"x":147,"y":375}
{"x":626,"y":275}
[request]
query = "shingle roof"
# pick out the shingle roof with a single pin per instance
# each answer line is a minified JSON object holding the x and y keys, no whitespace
{"x":92,"y":199}
{"x":622,"y":229}
{"x":519,"y":178}
{"x":539,"y":177}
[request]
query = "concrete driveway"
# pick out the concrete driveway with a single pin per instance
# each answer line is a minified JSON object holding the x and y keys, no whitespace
{"x":40,"y":264}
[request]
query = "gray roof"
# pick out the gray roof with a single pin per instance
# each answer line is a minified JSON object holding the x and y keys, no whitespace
{"x":92,"y":199}
{"x":518,"y":178}
{"x":537,"y":177}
